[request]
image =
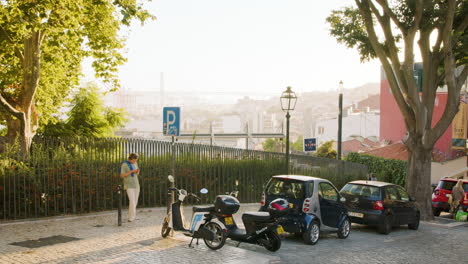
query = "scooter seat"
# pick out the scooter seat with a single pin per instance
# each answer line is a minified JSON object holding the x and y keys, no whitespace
{"x":250,"y":217}
{"x":203,"y":209}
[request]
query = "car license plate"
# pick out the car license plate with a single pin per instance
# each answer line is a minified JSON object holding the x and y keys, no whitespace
{"x":280,"y":230}
{"x":228,"y":220}
{"x":356,"y":214}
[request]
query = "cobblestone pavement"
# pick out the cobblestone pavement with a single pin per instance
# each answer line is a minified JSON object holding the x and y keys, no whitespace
{"x":102,"y":241}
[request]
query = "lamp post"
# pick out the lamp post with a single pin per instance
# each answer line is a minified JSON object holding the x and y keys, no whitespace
{"x":288,"y":102}
{"x":340,"y":118}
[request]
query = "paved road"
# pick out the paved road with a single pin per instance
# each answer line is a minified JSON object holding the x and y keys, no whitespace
{"x":102,"y":241}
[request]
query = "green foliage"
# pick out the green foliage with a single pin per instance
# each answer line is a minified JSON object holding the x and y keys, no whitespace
{"x":88,"y":117}
{"x":272,"y":145}
{"x":298,"y":145}
{"x":8,"y":163}
{"x":70,"y":31}
{"x":348,"y":28}
{"x":79,"y":175}
{"x":387,"y":170}
{"x":326,"y":150}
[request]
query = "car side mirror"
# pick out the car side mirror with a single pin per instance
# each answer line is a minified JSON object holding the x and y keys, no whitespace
{"x":411,"y":198}
{"x":342,"y":199}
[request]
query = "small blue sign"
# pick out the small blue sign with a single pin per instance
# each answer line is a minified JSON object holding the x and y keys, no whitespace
{"x":171,"y":121}
{"x":310,"y":144}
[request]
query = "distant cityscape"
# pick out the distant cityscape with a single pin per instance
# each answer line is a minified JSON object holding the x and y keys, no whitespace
{"x":315,"y":114}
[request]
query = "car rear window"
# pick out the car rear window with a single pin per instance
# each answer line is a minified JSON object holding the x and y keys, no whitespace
{"x":446,"y":185}
{"x":370,"y":192}
{"x":286,"y":188}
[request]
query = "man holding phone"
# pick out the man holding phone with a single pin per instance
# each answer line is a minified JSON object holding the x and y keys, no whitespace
{"x":129,"y":171}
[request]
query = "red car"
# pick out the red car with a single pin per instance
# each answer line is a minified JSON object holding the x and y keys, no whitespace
{"x":441,"y":194}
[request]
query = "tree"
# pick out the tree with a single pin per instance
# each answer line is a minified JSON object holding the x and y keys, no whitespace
{"x":298,"y":145}
{"x":438,"y":29}
{"x":42,"y":45}
{"x":326,"y":150}
{"x":272,"y":145}
{"x":88,"y":117}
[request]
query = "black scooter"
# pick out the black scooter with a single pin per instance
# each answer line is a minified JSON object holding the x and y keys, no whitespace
{"x":203,"y":225}
{"x":261,"y":228}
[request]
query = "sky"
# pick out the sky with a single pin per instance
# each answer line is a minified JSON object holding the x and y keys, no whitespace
{"x":241,"y":47}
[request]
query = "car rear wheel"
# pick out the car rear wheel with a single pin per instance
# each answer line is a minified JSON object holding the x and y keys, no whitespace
{"x":345,"y":229}
{"x":311,"y":236}
{"x":386,"y":226}
{"x":415,"y":224}
{"x":436,"y":211}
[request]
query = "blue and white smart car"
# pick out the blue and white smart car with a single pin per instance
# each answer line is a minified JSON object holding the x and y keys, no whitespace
{"x":316,"y":204}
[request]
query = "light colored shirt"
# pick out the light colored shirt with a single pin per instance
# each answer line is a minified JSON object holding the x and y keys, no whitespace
{"x":129,"y":181}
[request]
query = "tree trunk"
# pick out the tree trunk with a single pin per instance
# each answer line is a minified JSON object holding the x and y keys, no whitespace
{"x":25,"y":125}
{"x":418,"y":179}
{"x":23,"y":129}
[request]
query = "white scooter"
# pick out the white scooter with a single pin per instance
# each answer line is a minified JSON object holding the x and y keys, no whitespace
{"x":203,"y":225}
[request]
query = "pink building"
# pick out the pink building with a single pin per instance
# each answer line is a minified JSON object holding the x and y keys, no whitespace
{"x":392,"y":125}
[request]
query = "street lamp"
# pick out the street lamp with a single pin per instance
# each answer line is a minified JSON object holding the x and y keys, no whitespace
{"x":288,"y":102}
{"x":340,"y":118}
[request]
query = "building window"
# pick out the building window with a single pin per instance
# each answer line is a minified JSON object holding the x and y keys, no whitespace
{"x":321,"y":130}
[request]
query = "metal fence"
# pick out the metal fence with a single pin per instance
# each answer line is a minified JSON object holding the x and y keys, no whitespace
{"x":80,"y":175}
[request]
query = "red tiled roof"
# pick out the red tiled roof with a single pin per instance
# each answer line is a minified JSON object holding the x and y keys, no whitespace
{"x":355,"y":145}
{"x":371,"y":143}
{"x":398,"y":151}
{"x":395,"y":151}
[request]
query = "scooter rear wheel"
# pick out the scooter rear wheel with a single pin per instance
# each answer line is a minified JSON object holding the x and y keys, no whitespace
{"x":219,"y":236}
{"x":274,"y":241}
{"x":166,"y":230}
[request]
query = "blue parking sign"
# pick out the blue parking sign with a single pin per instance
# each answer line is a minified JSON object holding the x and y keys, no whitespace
{"x":171,"y":121}
{"x":310,"y":144}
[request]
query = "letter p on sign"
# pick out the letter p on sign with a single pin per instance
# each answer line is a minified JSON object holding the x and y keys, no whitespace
{"x":171,"y":121}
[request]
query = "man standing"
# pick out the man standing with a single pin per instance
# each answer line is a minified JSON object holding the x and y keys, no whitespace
{"x":129,"y":172}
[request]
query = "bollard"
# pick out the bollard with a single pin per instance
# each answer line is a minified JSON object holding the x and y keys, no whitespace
{"x":119,"y":212}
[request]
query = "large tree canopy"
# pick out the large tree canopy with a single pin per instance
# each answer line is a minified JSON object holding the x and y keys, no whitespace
{"x":42,"y":45}
{"x":394,"y":32}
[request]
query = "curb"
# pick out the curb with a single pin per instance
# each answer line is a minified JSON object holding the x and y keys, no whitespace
{"x":446,"y":226}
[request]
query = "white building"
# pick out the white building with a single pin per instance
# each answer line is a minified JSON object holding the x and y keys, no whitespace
{"x":364,"y":124}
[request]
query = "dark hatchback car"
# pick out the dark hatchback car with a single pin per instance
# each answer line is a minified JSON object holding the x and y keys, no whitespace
{"x":316,"y":204}
{"x":380,"y":204}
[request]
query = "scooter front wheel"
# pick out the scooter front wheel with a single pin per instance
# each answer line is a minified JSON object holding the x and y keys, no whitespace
{"x":273,"y":241}
{"x":166,"y":230}
{"x":219,"y":236}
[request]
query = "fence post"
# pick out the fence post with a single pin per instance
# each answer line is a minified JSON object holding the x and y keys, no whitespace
{"x":172,"y":171}
{"x":119,"y":212}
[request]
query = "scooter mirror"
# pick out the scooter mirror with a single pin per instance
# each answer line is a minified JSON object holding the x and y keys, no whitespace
{"x":170,"y":178}
{"x":204,"y":191}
